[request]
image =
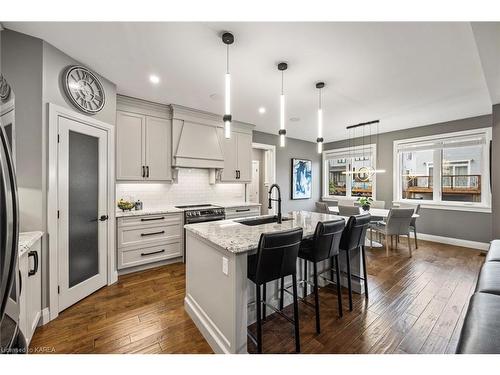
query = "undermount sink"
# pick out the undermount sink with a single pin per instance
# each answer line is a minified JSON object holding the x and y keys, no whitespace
{"x":261,"y":220}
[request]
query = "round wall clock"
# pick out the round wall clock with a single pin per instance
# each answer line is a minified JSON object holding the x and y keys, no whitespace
{"x":4,"y":89}
{"x":84,"y":89}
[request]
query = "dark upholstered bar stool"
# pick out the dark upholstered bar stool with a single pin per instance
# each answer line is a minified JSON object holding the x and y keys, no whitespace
{"x":276,"y":258}
{"x":353,"y":238}
{"x":323,"y":246}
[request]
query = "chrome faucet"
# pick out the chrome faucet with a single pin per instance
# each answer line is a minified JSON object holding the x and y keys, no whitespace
{"x":276,"y":200}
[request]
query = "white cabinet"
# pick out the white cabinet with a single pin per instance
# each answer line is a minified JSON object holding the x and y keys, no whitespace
{"x":30,"y":298}
{"x":143,"y":142}
{"x":148,"y":239}
{"x":237,"y":157}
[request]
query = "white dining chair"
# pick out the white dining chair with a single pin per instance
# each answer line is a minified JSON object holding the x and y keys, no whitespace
{"x":348,"y":210}
{"x":413,"y":222}
{"x":322,"y":207}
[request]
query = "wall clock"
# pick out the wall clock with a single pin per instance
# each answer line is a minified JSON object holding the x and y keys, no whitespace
{"x":4,"y":89}
{"x":84,"y":89}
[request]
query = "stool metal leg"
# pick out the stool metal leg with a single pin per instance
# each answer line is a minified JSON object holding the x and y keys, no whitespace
{"x":264,"y":298}
{"x":259,"y":322}
{"x":296,"y":314}
{"x":282,"y":292}
{"x":316,"y":296}
{"x":363,"y":253}
{"x":304,"y":295}
{"x":339,"y":288}
{"x":349,"y":281}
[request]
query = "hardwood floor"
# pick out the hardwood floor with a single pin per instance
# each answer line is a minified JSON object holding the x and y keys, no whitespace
{"x":416,"y":305}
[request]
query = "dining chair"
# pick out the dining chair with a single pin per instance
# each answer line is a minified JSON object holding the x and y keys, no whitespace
{"x":397,"y":224}
{"x":348,"y":210}
{"x":413,"y":222}
{"x":346,"y":202}
{"x":322,"y":207}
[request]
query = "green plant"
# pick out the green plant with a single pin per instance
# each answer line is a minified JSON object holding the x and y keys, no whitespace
{"x":365,"y":202}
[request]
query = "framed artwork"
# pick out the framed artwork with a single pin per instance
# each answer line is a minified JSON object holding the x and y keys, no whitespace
{"x":301,"y":179}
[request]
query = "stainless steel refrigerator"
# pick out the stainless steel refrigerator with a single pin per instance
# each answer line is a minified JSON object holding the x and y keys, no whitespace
{"x":11,"y":337}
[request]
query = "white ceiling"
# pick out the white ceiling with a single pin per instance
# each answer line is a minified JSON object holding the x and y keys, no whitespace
{"x":405,"y":74}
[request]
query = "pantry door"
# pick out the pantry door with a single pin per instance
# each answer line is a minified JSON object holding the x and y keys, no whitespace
{"x":83,"y":169}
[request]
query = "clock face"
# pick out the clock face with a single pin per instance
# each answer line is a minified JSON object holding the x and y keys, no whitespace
{"x":84,"y":89}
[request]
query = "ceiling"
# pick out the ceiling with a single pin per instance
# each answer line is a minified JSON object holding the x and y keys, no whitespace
{"x":405,"y":74}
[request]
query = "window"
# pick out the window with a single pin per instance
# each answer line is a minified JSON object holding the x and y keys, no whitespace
{"x":343,"y":172}
{"x":444,"y":170}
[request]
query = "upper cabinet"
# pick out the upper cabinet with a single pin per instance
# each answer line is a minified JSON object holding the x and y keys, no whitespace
{"x":238,"y":156}
{"x":143,"y":141}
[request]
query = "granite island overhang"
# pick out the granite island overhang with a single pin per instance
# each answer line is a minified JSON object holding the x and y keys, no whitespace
{"x":217,"y":290}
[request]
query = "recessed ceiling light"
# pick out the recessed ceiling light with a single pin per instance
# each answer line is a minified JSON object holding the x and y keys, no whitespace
{"x":154,"y":79}
{"x":294,"y":119}
{"x":262,"y":110}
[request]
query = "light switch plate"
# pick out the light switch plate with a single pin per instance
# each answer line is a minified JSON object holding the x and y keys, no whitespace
{"x":225,"y":266}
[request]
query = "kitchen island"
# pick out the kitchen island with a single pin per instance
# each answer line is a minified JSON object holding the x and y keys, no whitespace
{"x":217,"y":290}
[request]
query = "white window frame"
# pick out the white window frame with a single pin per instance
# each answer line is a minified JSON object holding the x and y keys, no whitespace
{"x":343,"y":153}
{"x":437,"y":203}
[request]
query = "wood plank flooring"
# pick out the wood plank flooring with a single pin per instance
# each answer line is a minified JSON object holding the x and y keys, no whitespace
{"x":416,"y":305}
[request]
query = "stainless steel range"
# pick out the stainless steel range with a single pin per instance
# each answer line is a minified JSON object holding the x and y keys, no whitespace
{"x":200,"y":213}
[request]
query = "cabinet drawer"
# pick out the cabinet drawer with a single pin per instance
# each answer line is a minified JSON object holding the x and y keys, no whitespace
{"x":142,"y":235}
{"x":150,"y":220}
{"x":244,"y":211}
{"x":148,"y":254}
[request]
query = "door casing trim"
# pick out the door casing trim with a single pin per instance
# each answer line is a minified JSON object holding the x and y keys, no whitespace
{"x":54,"y":111}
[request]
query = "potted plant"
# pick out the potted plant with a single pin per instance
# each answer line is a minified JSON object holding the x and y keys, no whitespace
{"x":365,"y":203}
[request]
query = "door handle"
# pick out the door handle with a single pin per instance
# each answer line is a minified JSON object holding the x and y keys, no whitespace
{"x":154,"y":218}
{"x":33,"y":254}
{"x":143,"y":171}
{"x":147,"y":171}
{"x":103,"y":218}
{"x":243,"y":210}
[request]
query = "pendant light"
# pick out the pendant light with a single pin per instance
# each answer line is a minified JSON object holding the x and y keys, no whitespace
{"x":319,"y":140}
{"x":227,"y":39}
{"x":282,"y":132}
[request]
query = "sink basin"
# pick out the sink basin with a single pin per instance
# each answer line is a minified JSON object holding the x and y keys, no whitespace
{"x":261,"y":220}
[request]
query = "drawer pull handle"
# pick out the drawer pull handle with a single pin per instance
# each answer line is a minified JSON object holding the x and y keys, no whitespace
{"x":153,"y":252}
{"x":152,"y":233}
{"x":243,"y":210}
{"x":154,"y":218}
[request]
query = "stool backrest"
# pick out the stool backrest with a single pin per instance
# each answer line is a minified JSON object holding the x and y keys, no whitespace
{"x":327,"y":239}
{"x":277,"y":255}
{"x":348,"y":210}
{"x":354,"y":233}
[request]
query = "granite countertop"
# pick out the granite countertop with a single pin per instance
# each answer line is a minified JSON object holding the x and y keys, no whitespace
{"x":240,"y":238}
{"x":27,"y":240}
{"x":171,"y":209}
{"x":149,"y":211}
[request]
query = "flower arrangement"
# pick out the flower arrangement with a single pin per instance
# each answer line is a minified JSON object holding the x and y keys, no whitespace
{"x":365,"y":203}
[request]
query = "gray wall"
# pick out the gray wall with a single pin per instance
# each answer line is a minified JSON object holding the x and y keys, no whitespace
{"x":473,"y":226}
{"x":33,"y":68}
{"x":295,"y":148}
{"x":495,"y":172}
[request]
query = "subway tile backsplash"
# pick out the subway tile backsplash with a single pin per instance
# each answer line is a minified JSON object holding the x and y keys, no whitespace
{"x":192,"y":187}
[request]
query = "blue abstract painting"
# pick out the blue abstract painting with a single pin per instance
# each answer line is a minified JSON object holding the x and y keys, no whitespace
{"x":301,"y":179}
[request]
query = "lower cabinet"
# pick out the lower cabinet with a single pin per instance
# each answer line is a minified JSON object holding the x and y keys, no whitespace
{"x":243,"y":211}
{"x":30,"y":298}
{"x":148,"y":239}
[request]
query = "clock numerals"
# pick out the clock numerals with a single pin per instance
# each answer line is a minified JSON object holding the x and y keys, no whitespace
{"x":84,"y":89}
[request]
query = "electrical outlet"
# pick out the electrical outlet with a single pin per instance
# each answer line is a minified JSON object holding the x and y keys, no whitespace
{"x":225,"y":266}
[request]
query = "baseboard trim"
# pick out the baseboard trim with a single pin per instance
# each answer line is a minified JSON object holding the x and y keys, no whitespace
{"x":45,"y":317}
{"x":454,"y":241}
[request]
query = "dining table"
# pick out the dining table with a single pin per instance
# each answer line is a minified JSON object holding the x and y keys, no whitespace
{"x":377,"y":214}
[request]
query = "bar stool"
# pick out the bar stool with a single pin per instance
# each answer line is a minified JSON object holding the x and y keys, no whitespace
{"x":324,"y":245}
{"x":276,"y":258}
{"x":353,"y":238}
